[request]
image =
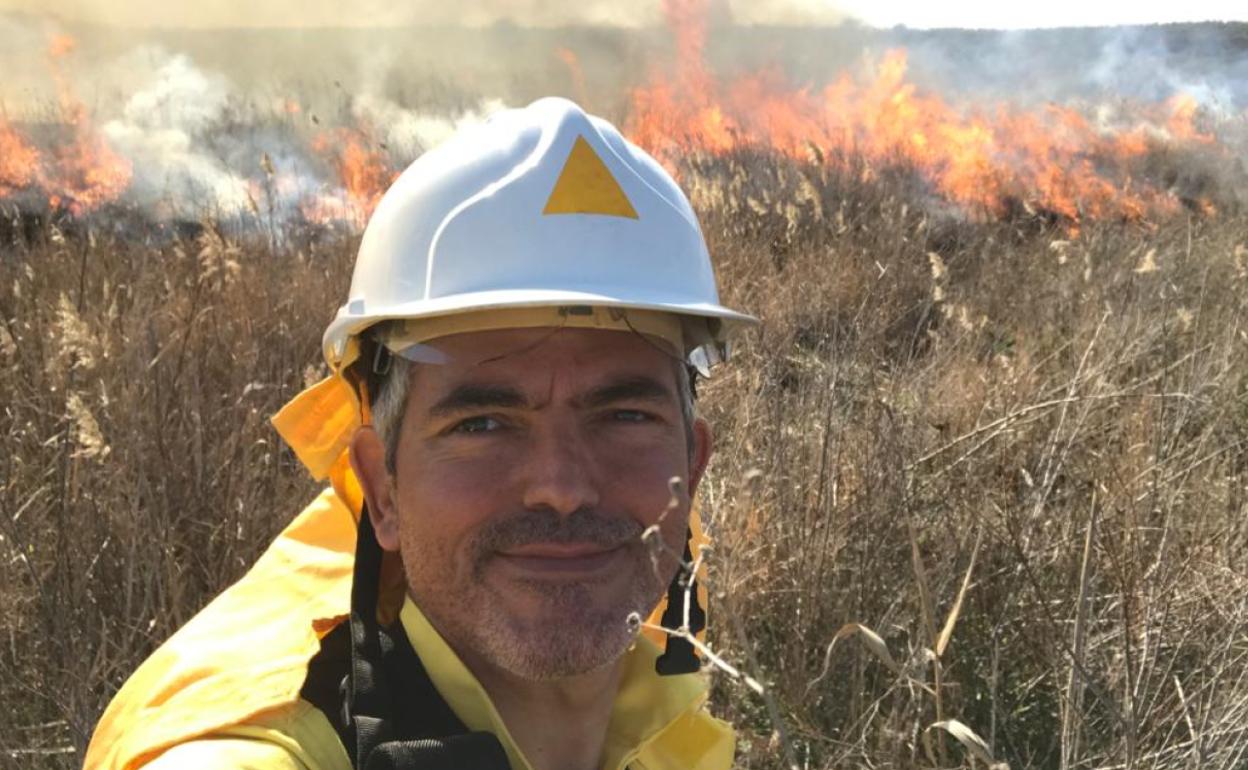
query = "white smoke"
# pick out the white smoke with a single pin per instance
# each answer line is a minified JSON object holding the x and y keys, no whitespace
{"x":200,"y":147}
{"x":1140,"y":64}
{"x":410,"y":132}
{"x":161,"y":131}
{"x":229,"y":124}
{"x":1138,"y":61}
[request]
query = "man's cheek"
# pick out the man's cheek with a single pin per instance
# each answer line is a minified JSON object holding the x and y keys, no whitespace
{"x":648,"y":476}
{"x":467,"y":482}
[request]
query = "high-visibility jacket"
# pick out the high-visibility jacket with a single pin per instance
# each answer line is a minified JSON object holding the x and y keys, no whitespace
{"x":237,"y":667}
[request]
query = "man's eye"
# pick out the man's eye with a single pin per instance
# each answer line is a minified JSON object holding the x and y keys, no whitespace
{"x":630,"y":415}
{"x":477,"y":425}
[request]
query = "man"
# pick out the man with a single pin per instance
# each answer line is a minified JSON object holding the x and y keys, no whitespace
{"x":509,"y":420}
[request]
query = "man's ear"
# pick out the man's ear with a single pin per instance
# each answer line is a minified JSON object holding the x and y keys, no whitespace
{"x":702,"y":447}
{"x":368,"y":460}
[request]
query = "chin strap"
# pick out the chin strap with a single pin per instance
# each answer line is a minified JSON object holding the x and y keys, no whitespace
{"x":392,"y":716}
{"x":679,"y":656}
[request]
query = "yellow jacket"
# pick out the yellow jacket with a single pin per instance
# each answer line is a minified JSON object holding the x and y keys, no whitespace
{"x":225,"y":688}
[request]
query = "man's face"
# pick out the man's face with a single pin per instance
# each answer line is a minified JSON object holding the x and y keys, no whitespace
{"x":527,"y":469}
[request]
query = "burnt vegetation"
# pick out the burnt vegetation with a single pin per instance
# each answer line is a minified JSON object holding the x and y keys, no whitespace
{"x":982,"y":472}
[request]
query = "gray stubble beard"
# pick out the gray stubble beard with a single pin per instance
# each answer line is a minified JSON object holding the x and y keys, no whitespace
{"x":569,"y":637}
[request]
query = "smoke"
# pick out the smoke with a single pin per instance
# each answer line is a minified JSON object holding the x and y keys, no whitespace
{"x":380,"y":14}
{"x":1206,"y":62}
{"x":175,"y":130}
{"x":409,"y":132}
{"x":789,"y":13}
{"x":198,"y":144}
{"x":161,"y":132}
{"x":278,"y":123}
{"x":1213,"y":68}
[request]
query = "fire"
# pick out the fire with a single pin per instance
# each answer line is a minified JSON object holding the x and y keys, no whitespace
{"x":61,"y":45}
{"x":988,"y":161}
{"x":569,"y":59}
{"x":84,"y":173}
{"x":79,"y":171}
{"x":19,"y":161}
{"x":983,"y":160}
{"x":77,"y":175}
{"x":363,"y":172}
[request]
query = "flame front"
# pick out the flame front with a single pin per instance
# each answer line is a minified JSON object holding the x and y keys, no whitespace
{"x":982,"y":160}
{"x":988,"y":160}
{"x":577,"y":75}
{"x":19,"y":161}
{"x":84,"y":173}
{"x":363,"y":172}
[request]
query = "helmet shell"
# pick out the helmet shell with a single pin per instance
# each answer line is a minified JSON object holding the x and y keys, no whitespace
{"x":478,"y":223}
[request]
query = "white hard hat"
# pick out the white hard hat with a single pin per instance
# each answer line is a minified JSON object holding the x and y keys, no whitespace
{"x":544,"y":206}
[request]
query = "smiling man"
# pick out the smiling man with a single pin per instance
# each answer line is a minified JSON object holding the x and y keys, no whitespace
{"x":512,"y":447}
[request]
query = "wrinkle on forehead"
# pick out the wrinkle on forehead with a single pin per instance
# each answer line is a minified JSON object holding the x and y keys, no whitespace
{"x":563,"y":360}
{"x":442,"y":349}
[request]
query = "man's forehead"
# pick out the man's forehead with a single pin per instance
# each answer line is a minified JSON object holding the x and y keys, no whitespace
{"x":535,"y":354}
{"x":500,"y":348}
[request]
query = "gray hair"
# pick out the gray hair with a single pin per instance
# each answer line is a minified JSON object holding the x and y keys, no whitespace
{"x":390,"y":402}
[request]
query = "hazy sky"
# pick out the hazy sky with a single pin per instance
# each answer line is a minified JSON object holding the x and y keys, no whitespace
{"x":1050,"y":13}
{"x":384,"y":13}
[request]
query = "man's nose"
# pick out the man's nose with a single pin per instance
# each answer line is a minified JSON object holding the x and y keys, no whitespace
{"x":559,"y":471}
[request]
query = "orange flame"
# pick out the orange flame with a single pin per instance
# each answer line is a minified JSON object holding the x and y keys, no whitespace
{"x":19,"y":161}
{"x":1052,"y":158}
{"x":569,"y":59}
{"x":85,"y":173}
{"x":61,"y":45}
{"x":363,"y":172}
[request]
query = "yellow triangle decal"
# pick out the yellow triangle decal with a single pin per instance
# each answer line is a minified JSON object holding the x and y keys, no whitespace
{"x":585,"y":186}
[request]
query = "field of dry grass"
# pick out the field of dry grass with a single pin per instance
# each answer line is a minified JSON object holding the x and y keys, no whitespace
{"x":982,"y":472}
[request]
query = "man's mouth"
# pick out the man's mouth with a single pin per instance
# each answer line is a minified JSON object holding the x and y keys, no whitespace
{"x":560,"y":559}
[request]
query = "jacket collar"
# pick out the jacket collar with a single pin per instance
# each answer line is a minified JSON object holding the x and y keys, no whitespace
{"x":646,"y":706}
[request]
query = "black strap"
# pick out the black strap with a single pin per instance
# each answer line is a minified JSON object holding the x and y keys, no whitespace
{"x":678,"y":656}
{"x":375,"y":691}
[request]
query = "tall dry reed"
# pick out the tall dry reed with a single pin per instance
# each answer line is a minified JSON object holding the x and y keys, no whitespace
{"x":978,"y":496}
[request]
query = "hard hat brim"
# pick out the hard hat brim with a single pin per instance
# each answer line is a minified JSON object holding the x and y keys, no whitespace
{"x":354,"y":320}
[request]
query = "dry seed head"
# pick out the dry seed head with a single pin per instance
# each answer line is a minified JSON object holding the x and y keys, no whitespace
{"x":1061,"y":249}
{"x":76,"y":347}
{"x":8,"y":347}
{"x":964,"y":319}
{"x":1149,"y":262}
{"x":312,"y":374}
{"x":217,"y":257}
{"x":86,"y":431}
{"x":807,"y":193}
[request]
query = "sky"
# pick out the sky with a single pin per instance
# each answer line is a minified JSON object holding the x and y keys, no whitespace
{"x":1006,"y":14}
{"x":999,"y":14}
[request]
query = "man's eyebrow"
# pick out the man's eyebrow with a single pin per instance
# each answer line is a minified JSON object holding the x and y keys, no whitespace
{"x":468,"y":396}
{"x":637,"y":388}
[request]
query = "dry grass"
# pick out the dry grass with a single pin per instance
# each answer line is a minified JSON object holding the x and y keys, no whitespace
{"x":1015,"y":460}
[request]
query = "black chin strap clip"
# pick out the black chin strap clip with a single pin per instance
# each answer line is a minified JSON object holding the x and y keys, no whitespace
{"x":679,"y":656}
{"x":392,"y":716}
